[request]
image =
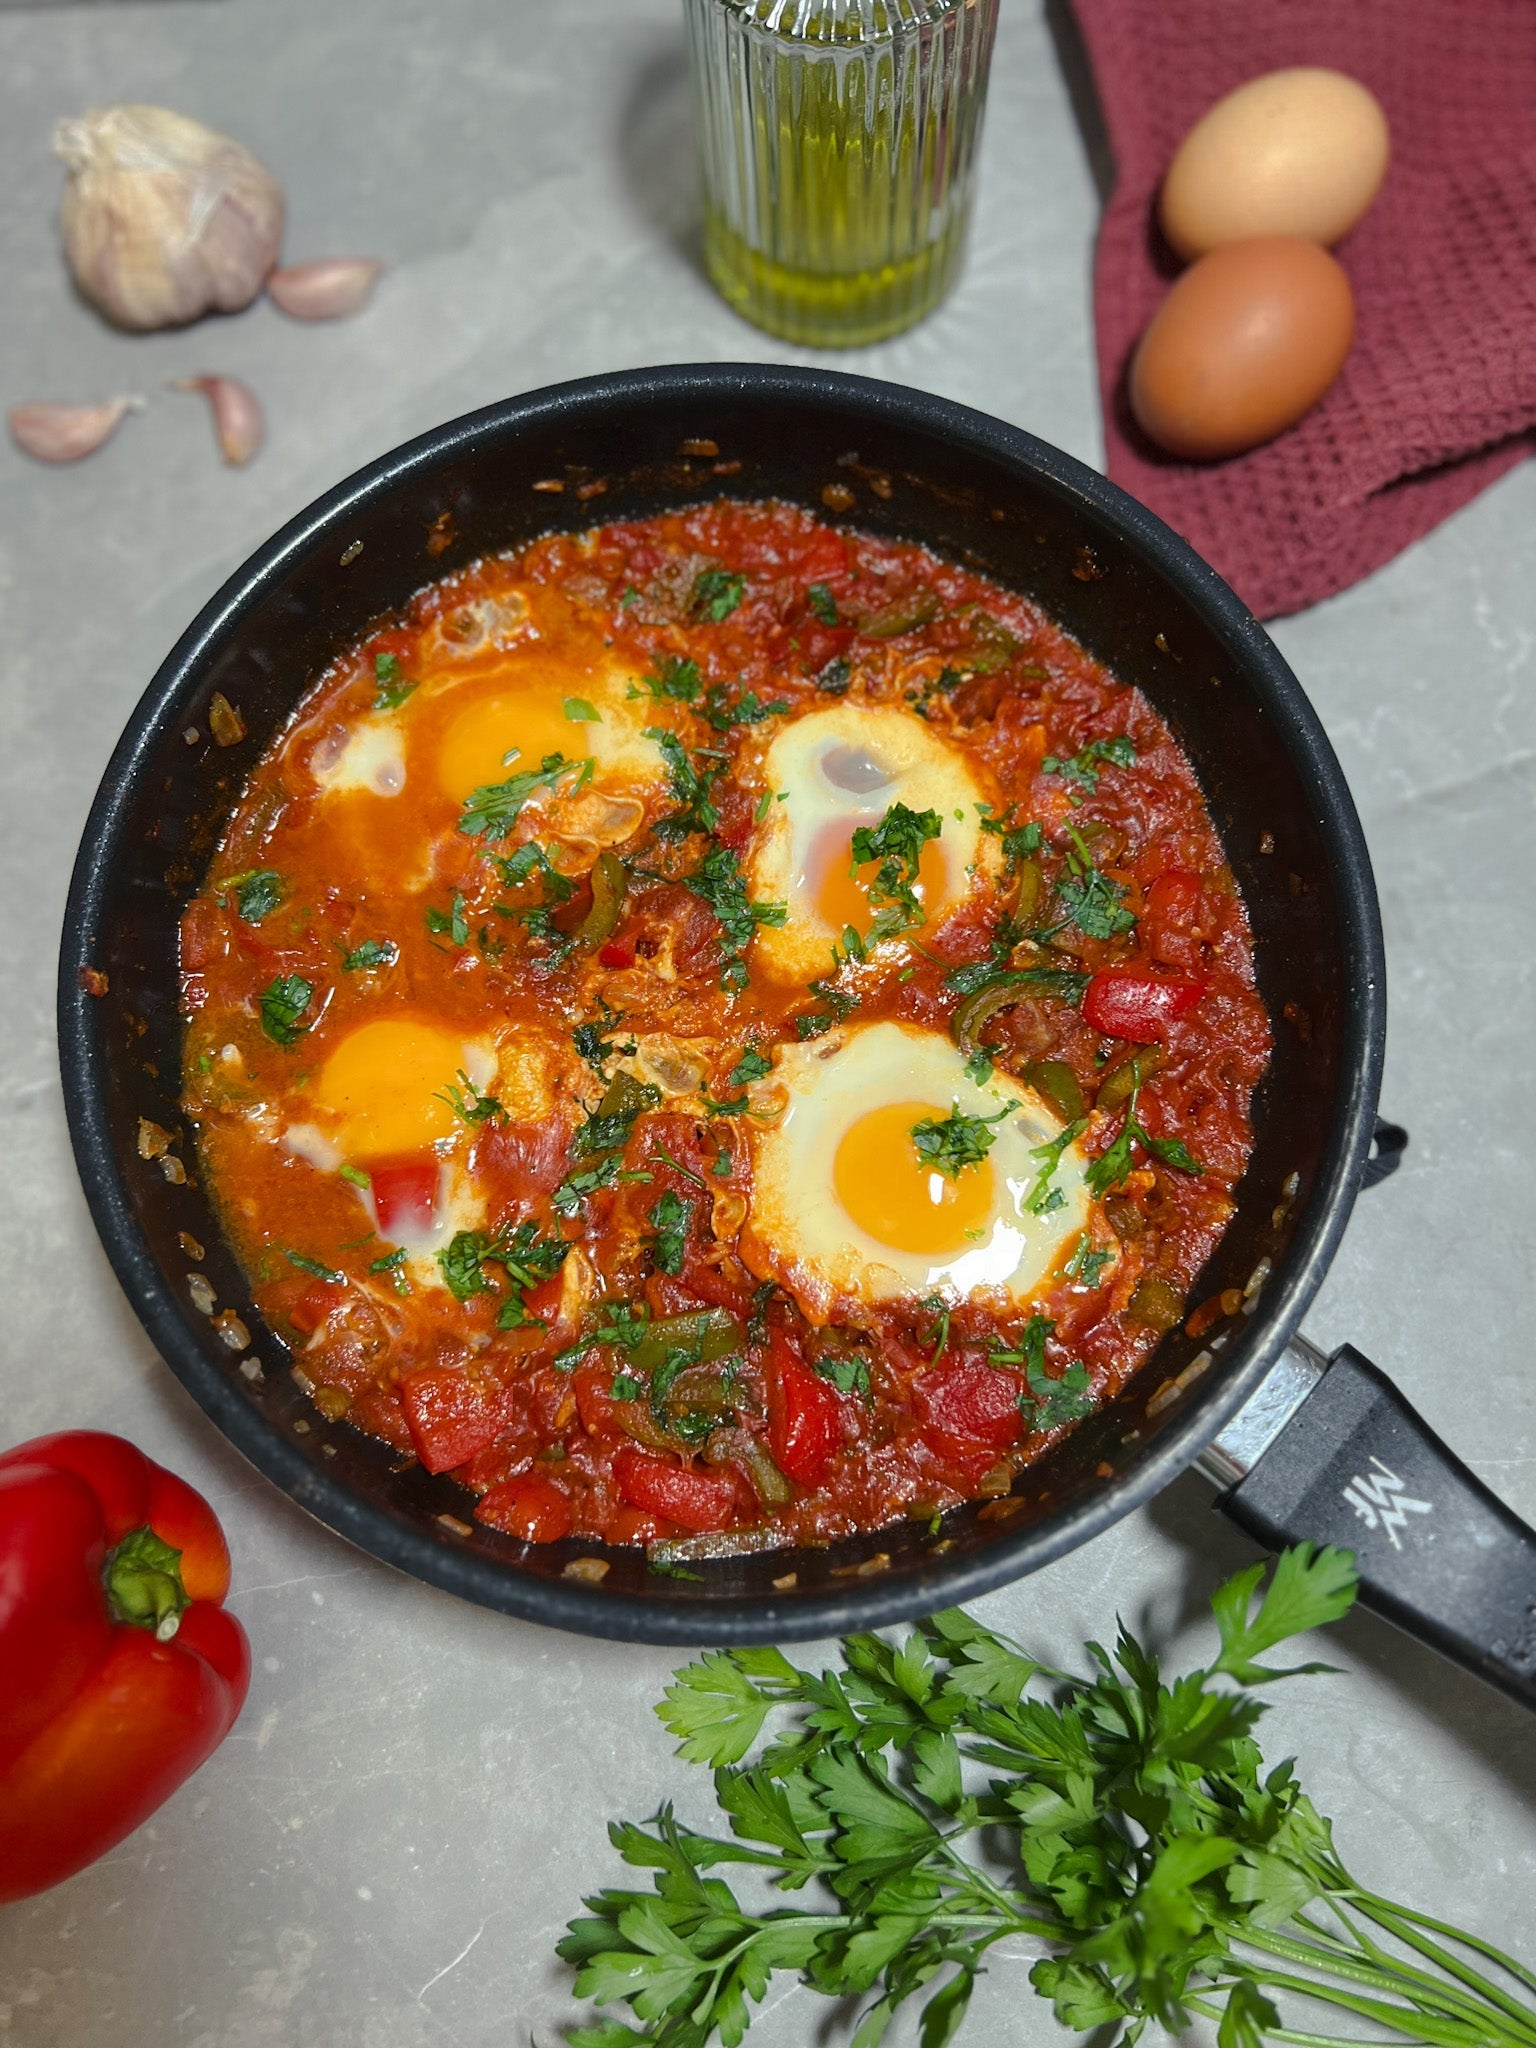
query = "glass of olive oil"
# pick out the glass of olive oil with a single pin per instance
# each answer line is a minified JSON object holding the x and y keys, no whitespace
{"x":837,"y":140}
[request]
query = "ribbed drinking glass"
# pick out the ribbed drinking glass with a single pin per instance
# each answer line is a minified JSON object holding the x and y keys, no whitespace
{"x":837,"y":140}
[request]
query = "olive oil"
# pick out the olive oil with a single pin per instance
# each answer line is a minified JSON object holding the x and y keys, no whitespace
{"x":837,"y":142}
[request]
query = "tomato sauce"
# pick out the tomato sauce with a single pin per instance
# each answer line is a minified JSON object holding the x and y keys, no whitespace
{"x":482,"y":1051}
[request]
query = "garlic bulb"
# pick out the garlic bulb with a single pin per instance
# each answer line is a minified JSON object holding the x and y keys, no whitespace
{"x":162,"y":218}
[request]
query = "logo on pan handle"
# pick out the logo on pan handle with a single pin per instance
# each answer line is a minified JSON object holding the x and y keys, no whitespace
{"x":1380,"y":1502}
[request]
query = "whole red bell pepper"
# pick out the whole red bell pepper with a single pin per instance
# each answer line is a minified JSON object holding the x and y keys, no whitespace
{"x":120,"y":1672}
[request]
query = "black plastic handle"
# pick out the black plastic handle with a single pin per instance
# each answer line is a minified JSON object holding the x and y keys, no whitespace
{"x":1438,"y":1554}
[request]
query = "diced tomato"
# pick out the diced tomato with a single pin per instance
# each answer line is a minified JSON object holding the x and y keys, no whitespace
{"x":451,"y":1414}
{"x":1174,"y":898}
{"x":717,"y":1285}
{"x":543,"y":1301}
{"x":316,"y":1302}
{"x":529,"y":1506}
{"x":825,"y":555}
{"x":634,"y":1525}
{"x":405,"y":1196}
{"x":804,"y":1420}
{"x":594,"y":1402}
{"x":694,"y":1500}
{"x":378,"y":1411}
{"x":820,"y":644}
{"x":965,"y":1405}
{"x":1138,"y":1007}
{"x":617,"y":953}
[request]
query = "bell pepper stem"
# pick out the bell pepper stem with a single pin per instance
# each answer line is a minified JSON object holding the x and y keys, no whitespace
{"x":142,"y":1577}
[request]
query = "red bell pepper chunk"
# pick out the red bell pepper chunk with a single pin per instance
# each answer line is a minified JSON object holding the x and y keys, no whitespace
{"x":694,"y":1500}
{"x":804,"y":1421}
{"x":120,"y":1672}
{"x":965,"y":1405}
{"x":617,"y":953}
{"x":1121,"y":1003}
{"x":451,"y":1415}
{"x":405,"y":1197}
{"x":529,"y":1506}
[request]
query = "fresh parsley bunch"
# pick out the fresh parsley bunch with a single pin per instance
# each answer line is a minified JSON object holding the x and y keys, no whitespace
{"x":1165,"y":1871}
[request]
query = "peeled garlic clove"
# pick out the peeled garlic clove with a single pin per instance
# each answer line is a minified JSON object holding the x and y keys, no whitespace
{"x":162,"y":218}
{"x":325,"y":289}
{"x":237,"y":414}
{"x":63,"y":433}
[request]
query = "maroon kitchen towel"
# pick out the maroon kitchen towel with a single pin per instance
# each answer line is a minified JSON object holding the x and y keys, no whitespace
{"x":1438,"y":396}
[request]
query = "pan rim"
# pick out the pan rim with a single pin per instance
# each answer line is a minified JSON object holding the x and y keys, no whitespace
{"x":684,"y":1619}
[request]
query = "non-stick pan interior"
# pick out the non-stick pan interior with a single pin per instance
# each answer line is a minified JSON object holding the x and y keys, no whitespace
{"x":857,"y":453}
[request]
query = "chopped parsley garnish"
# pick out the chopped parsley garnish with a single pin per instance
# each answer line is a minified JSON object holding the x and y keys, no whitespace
{"x":529,"y":860}
{"x":575,"y":1188}
{"x":492,"y":810}
{"x":452,"y":922}
{"x":1044,"y":1197}
{"x":749,"y":1068}
{"x":848,"y":1375}
{"x":524,"y":1255}
{"x":1086,"y":1265}
{"x":1066,"y":982}
{"x":672,"y":1219}
{"x":719,"y":882}
{"x":355,"y":1177}
{"x":674,"y":678}
{"x":469,"y":1105}
{"x":897,"y":843}
{"x":257,"y":894}
{"x":716,"y":594}
{"x":462,"y":1264}
{"x":689,"y":784}
{"x":834,"y":679}
{"x":371,"y":954}
{"x":283,"y":1002}
{"x":1090,"y":899}
{"x":1019,"y":841}
{"x":1059,"y":1401}
{"x":839,"y":1006}
{"x":596,"y":1049}
{"x":938,"y":1335}
{"x":1083,"y":766}
{"x":581,"y":712}
{"x":978,"y":1068}
{"x":748,"y":709}
{"x":601,"y":1137}
{"x":393,"y":1263}
{"x":626,"y":1388}
{"x":822,"y":603}
{"x":954,"y":1142}
{"x":314,"y":1268}
{"x":392,"y":685}
{"x":1112,"y":1167}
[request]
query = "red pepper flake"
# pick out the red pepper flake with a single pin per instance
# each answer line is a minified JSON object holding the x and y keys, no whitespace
{"x":92,"y":981}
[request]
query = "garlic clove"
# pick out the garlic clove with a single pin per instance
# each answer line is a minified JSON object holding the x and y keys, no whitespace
{"x":63,"y":433}
{"x":162,"y":218}
{"x":326,"y":289}
{"x":237,"y":414}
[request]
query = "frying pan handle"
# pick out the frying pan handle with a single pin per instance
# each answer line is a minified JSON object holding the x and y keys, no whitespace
{"x":1338,"y":1456}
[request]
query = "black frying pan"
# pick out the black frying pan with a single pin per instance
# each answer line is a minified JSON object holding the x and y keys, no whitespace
{"x":1302,"y":1446}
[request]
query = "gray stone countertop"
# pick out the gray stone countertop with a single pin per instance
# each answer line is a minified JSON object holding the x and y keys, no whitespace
{"x":384,"y":1851}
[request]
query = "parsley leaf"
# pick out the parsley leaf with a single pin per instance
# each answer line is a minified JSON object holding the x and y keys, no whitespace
{"x":674,"y":678}
{"x":716,"y":594}
{"x":462,"y":1263}
{"x":1090,"y":899}
{"x":834,"y":679}
{"x":849,"y":1375}
{"x":469,"y":1105}
{"x":393,"y":686}
{"x":718,"y":880}
{"x":1083,"y":767}
{"x":451,"y":921}
{"x":371,"y":954}
{"x":283,"y":1002}
{"x":257,"y":893}
{"x":1086,"y":1264}
{"x":954,"y":1142}
{"x":491,"y":811}
{"x":1112,"y":1168}
{"x":897,"y":843}
{"x":582,"y":712}
{"x":672,"y":1220}
{"x":594,"y":1046}
{"x":748,"y":709}
{"x":822,"y":603}
{"x":314,"y":1268}
{"x":1044,"y":1196}
{"x":749,"y":1068}
{"x":689,"y":784}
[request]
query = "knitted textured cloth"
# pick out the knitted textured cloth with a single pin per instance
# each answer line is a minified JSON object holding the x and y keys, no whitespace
{"x":1438,"y":396}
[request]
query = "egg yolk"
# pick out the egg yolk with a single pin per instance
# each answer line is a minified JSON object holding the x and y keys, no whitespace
{"x":386,"y":1081}
{"x":530,"y":719}
{"x":841,"y":894}
{"x":896,"y":1197}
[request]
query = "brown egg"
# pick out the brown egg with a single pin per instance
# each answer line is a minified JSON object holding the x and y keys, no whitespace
{"x":1248,"y":340}
{"x":1296,"y":152}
